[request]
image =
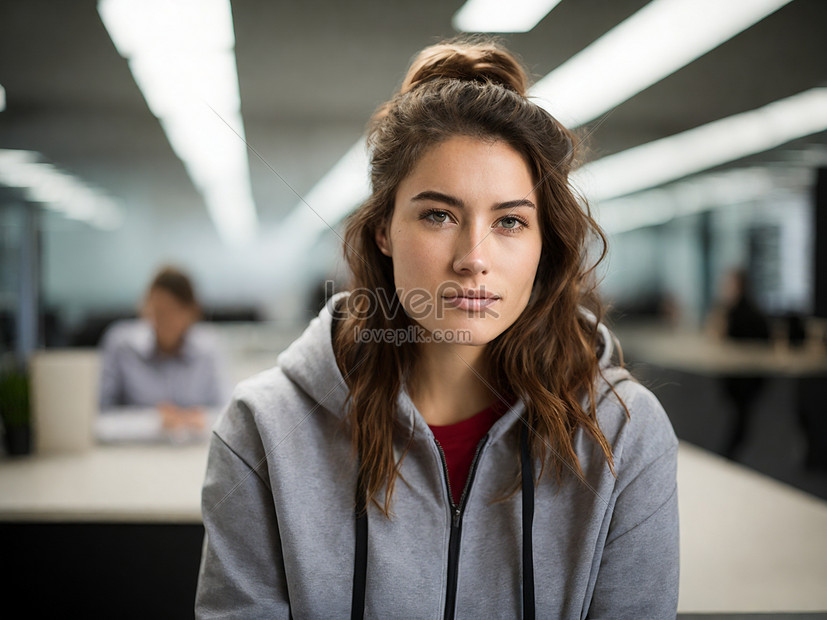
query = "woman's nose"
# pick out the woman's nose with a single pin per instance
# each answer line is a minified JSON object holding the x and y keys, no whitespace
{"x":471,"y":252}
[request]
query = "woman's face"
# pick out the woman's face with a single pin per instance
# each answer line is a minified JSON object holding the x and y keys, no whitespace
{"x":465,"y":239}
{"x":170,"y":319}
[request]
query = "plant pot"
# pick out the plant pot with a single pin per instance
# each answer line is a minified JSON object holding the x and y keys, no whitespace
{"x":18,"y":440}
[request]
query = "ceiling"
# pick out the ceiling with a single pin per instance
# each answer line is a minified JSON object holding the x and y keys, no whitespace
{"x":311,"y":73}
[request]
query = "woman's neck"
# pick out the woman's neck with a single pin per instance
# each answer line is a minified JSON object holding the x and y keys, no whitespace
{"x":170,"y":349}
{"x":450,"y":383}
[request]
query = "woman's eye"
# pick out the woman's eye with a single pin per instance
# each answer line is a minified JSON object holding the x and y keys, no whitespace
{"x":438,"y":217}
{"x":511,"y":223}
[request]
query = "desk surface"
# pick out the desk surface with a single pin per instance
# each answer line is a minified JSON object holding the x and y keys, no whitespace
{"x":696,"y":352}
{"x":117,"y":483}
{"x":748,"y":543}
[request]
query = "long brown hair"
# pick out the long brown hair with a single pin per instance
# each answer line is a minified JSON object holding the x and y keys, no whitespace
{"x":549,"y":357}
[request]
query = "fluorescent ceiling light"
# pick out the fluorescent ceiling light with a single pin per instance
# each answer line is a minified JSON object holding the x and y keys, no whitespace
{"x":659,"y":39}
{"x":346,"y":183}
{"x":709,"y":191}
{"x":656,"y":41}
{"x":500,"y":16}
{"x":57,"y":190}
{"x":182,"y":57}
{"x":324,"y":206}
{"x":703,"y":147}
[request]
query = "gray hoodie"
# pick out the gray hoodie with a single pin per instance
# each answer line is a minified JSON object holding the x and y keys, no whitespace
{"x":278,"y":509}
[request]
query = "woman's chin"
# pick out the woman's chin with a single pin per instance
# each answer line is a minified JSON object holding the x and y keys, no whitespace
{"x":468,"y":332}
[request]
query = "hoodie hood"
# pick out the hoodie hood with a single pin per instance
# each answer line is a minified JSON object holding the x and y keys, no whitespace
{"x":311,"y":364}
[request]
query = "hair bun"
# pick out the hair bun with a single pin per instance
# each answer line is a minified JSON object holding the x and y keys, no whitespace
{"x":467,"y":60}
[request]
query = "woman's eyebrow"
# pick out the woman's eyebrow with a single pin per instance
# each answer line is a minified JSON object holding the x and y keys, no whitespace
{"x":456,"y":202}
{"x":513,"y":204}
{"x":434,"y":196}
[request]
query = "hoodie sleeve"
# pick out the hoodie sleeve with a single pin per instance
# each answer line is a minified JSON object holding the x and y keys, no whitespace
{"x":638,"y":575}
{"x":242,"y":570}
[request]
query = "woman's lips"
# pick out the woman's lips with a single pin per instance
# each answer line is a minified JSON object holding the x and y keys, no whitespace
{"x":473,"y":304}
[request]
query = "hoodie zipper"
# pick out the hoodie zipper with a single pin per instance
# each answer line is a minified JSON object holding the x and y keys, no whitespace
{"x":456,"y":526}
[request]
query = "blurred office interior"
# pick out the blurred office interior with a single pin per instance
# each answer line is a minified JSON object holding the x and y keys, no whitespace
{"x":714,"y":159}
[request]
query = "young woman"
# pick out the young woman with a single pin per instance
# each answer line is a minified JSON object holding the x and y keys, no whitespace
{"x":452,"y":438}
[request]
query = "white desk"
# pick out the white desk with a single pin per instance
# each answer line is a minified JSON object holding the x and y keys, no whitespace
{"x":118,"y":483}
{"x":748,"y":543}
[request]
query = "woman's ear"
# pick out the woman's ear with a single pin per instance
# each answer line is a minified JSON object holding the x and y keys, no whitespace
{"x":382,"y":240}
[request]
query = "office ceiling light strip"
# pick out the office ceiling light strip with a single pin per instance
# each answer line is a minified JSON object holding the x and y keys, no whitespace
{"x":182,"y":57}
{"x":659,"y":39}
{"x":343,"y":187}
{"x":704,"y":147}
{"x":701,"y":193}
{"x":662,"y":37}
{"x":499,"y":16}
{"x":57,"y":190}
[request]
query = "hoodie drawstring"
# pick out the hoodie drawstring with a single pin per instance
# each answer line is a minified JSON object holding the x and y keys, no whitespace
{"x":527,"y":471}
{"x":360,"y":562}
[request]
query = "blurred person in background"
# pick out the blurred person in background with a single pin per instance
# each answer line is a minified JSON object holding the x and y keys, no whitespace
{"x":165,"y":366}
{"x":738,"y":318}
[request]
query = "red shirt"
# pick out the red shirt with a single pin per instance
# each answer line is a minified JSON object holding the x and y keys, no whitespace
{"x":459,"y":443}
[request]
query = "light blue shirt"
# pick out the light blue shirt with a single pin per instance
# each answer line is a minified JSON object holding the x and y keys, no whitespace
{"x":134,"y":373}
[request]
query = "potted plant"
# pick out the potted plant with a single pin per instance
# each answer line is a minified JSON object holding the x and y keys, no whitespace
{"x":15,"y":411}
